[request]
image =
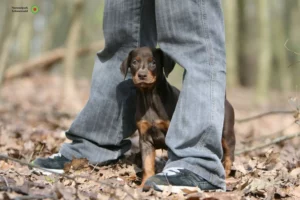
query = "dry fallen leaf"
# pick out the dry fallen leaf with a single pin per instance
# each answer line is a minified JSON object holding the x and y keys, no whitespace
{"x":64,"y":192}
{"x":5,"y":166}
{"x":295,"y":172}
{"x":231,"y":183}
{"x":296,"y":192}
{"x":76,"y":164}
{"x":5,"y":196}
{"x":240,"y":167}
{"x":79,"y":163}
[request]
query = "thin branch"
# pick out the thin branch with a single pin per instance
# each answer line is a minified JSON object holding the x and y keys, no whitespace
{"x":13,"y":189}
{"x":298,"y":61}
{"x":285,"y":45}
{"x":73,"y":178}
{"x":47,"y":59}
{"x":94,"y":167}
{"x":49,"y":196}
{"x":7,"y":43}
{"x":272,"y":134}
{"x":264,"y":114}
{"x":275,"y":141}
{"x":5,"y":180}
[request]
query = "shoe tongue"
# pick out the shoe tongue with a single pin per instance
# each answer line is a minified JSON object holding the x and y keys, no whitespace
{"x":172,"y":171}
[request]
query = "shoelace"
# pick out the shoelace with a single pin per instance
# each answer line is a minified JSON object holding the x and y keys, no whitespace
{"x":172,"y":170}
{"x":55,"y":155}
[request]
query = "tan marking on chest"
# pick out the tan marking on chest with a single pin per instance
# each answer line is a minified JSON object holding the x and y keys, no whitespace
{"x":143,"y":126}
{"x":162,"y":124}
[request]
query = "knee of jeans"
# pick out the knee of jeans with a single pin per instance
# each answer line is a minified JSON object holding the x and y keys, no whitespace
{"x":109,"y":51}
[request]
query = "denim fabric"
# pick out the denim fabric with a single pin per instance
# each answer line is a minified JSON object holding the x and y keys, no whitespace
{"x":192,"y":33}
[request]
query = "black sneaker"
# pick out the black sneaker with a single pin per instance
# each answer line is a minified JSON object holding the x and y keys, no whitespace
{"x":178,"y":180}
{"x":54,"y":163}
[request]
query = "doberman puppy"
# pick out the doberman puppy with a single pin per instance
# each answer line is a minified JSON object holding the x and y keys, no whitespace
{"x":156,"y":102}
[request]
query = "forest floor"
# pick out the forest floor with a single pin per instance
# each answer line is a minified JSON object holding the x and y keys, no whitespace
{"x":32,"y":124}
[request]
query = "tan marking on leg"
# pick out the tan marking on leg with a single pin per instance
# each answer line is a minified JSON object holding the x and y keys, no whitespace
{"x":143,"y":126}
{"x":148,"y":165}
{"x":227,"y":162}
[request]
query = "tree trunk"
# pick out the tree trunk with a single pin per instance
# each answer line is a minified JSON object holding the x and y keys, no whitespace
{"x":7,"y":39}
{"x":231,"y":25}
{"x":70,"y":101}
{"x":292,"y":18}
{"x":53,"y":23}
{"x":6,"y":26}
{"x":25,"y":36}
{"x":245,"y":68}
{"x":264,"y":49}
{"x":280,"y":53}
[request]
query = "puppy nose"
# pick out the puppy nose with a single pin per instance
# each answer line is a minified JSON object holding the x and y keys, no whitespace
{"x":142,"y":75}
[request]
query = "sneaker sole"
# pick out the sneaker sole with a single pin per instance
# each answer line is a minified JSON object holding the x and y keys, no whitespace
{"x":177,"y":189}
{"x":48,"y":172}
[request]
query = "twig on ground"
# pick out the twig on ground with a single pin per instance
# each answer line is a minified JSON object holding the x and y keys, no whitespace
{"x":94,"y":167}
{"x":275,"y":141}
{"x":33,"y":152}
{"x":73,"y":178}
{"x":49,"y":196}
{"x":264,"y":114}
{"x":5,"y":180}
{"x":14,"y":189}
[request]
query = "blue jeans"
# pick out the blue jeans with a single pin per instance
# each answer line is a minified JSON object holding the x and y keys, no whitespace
{"x":192,"y":33}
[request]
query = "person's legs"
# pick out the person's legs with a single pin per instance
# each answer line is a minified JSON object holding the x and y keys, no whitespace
{"x":192,"y":33}
{"x":99,"y":130}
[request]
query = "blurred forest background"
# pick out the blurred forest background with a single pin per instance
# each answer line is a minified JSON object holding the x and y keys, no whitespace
{"x":64,"y":36}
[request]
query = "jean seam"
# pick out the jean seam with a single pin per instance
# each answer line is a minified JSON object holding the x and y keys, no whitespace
{"x":205,"y":28}
{"x":138,"y":41}
{"x":139,"y":24}
{"x":203,"y":18}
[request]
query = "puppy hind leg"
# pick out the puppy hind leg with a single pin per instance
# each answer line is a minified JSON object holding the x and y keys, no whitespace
{"x":227,"y":162}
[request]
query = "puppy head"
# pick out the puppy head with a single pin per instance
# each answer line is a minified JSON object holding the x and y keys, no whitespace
{"x":147,"y":66}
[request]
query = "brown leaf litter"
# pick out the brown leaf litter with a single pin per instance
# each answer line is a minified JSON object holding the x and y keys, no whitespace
{"x":33,"y":126}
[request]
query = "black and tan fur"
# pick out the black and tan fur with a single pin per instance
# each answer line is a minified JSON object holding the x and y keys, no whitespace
{"x":156,"y":101}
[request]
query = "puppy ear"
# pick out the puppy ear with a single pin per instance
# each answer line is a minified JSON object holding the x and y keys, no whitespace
{"x":125,"y":65}
{"x":167,"y":62}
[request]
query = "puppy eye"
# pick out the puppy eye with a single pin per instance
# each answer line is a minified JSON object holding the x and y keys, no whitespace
{"x":153,"y":62}
{"x":134,"y":62}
